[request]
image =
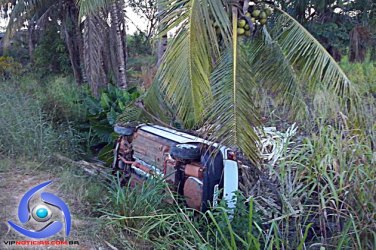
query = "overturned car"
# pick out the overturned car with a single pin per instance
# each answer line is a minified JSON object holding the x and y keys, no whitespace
{"x":201,"y":171}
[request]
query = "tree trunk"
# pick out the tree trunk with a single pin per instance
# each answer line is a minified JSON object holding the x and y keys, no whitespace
{"x":123,"y":30}
{"x":113,"y":53}
{"x":359,"y":38}
{"x":116,"y":25}
{"x":162,"y":43}
{"x":107,"y":57}
{"x":108,"y":51}
{"x":31,"y":41}
{"x":70,"y":23}
{"x":80,"y":41}
{"x":93,"y":42}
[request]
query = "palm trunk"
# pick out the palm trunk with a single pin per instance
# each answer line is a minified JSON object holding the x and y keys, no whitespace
{"x":31,"y":41}
{"x":107,"y":57}
{"x":121,"y":16}
{"x":93,"y":39}
{"x":80,"y":41}
{"x":116,"y":25}
{"x":70,"y":25}
{"x":162,"y":46}
{"x":162,"y":43}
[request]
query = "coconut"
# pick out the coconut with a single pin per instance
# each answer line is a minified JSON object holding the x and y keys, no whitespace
{"x":241,"y":23}
{"x":263,"y":21}
{"x":241,"y":31}
{"x":256,"y":13}
{"x":248,"y":33}
{"x":263,"y":15}
{"x":247,"y":14}
{"x":246,"y":27}
{"x":269,"y":11}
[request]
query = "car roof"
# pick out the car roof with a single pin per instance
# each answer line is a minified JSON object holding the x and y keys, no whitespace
{"x":174,"y":135}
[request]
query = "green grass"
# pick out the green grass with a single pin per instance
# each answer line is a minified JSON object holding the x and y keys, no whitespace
{"x":361,"y":74}
{"x":42,"y":116}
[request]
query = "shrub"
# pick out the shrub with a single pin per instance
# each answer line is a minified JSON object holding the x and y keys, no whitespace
{"x":103,"y":114}
{"x":361,"y":74}
{"x":63,"y":100}
{"x":50,"y":55}
{"x":9,"y":67}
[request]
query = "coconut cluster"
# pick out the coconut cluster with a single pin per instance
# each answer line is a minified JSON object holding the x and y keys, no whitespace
{"x":257,"y":15}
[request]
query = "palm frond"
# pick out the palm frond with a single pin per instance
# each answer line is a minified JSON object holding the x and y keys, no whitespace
{"x":274,"y":72}
{"x":185,"y":69}
{"x":132,"y":114}
{"x":27,"y":10}
{"x":90,"y":7}
{"x":156,"y":104}
{"x":233,"y":115}
{"x":308,"y":57}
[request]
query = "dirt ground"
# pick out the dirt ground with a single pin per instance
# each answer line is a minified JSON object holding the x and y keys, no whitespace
{"x":15,"y":180}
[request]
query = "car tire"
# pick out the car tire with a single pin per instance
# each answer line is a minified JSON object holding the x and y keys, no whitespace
{"x":125,"y":131}
{"x":185,"y":152}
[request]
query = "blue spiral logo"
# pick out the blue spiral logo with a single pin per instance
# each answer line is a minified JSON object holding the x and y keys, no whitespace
{"x":41,"y":213}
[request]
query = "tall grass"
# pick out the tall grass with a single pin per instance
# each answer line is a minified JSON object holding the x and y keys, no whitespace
{"x":328,"y":180}
{"x":27,"y":131}
{"x":140,"y":215}
{"x":60,"y":97}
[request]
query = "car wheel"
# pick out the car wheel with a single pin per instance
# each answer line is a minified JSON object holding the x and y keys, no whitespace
{"x":185,"y":152}
{"x":125,"y":131}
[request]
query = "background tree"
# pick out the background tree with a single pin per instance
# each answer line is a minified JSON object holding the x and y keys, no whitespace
{"x":341,"y":26}
{"x":146,"y":10}
{"x":118,"y":33}
{"x":39,"y":14}
{"x":96,"y":48}
{"x":112,"y":34}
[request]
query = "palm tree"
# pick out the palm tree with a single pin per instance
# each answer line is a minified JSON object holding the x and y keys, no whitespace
{"x":210,"y":78}
{"x":118,"y":32}
{"x":96,"y":49}
{"x":110,"y":38}
{"x":162,"y":42}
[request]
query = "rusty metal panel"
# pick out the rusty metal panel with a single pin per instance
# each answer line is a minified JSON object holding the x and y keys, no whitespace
{"x":193,"y":192}
{"x":195,"y":170}
{"x":170,"y":170}
{"x":150,"y":148}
